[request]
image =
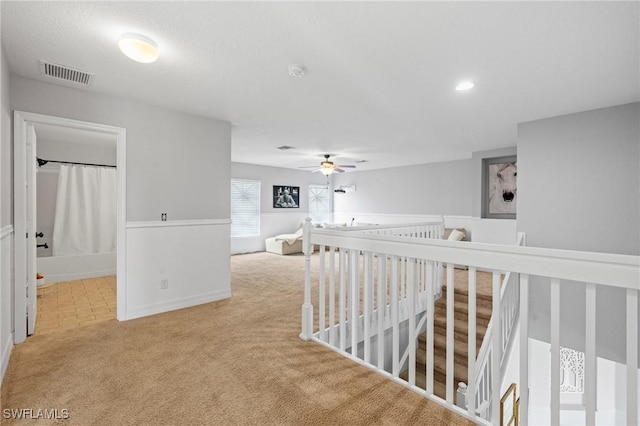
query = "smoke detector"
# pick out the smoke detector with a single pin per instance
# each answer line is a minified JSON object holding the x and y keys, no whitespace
{"x":296,"y":70}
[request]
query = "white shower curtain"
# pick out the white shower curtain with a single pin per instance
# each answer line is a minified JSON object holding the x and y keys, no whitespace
{"x":85,"y":217}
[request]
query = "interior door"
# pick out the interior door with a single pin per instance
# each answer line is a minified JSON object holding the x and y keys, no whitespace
{"x":32,"y":299}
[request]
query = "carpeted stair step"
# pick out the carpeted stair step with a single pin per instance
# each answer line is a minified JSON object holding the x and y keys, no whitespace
{"x":440,"y":345}
{"x":439,"y":359}
{"x":460,"y":329}
{"x":461,"y":315}
{"x":463,"y":295}
{"x":461,"y":310}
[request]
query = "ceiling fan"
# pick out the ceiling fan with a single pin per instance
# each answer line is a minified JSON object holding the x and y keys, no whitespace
{"x":328,"y":167}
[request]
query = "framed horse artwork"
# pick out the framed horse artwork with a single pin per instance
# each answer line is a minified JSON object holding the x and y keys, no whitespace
{"x":499,"y":187}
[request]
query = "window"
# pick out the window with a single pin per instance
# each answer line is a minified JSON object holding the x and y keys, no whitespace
{"x":245,"y":208}
{"x":319,"y":208}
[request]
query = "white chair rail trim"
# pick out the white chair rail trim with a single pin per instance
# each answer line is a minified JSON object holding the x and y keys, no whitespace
{"x":177,"y":223}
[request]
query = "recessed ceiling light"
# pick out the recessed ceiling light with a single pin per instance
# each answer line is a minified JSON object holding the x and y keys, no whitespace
{"x":464,"y":85}
{"x":139,"y":48}
{"x":296,"y":70}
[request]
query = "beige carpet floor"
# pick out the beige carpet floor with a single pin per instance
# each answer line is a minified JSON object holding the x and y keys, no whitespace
{"x":233,"y":362}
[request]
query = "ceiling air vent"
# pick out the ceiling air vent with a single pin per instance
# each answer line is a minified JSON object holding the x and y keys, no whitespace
{"x":65,"y":73}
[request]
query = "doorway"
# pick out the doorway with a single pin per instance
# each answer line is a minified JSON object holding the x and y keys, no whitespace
{"x":28,"y":129}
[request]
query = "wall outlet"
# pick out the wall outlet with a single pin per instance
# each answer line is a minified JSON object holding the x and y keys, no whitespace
{"x":164,"y":283}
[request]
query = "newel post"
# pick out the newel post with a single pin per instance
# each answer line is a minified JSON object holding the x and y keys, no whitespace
{"x":307,"y":307}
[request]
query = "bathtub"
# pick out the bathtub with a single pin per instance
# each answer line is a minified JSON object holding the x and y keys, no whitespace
{"x":67,"y":268}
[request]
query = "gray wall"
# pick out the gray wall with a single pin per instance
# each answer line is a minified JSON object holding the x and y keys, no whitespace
{"x":579,"y":181}
{"x":579,"y":189}
{"x":176,"y":162}
{"x":428,"y":189}
{"x":6,"y":150}
{"x":274,"y":221}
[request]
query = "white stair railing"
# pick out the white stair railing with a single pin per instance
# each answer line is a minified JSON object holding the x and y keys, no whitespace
{"x":371,"y":292}
{"x":481,"y":382}
{"x":381,"y":285}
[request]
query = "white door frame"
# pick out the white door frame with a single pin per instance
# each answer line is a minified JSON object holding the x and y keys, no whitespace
{"x":22,"y":122}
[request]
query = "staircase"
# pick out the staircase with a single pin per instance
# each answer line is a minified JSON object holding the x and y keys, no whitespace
{"x":461,"y":310}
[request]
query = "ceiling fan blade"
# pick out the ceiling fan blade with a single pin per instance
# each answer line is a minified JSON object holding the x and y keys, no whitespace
{"x":346,"y":166}
{"x":338,"y":170}
{"x":307,"y":167}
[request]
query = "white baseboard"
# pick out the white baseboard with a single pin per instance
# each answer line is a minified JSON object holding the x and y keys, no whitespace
{"x":7,"y":347}
{"x":51,"y":278}
{"x":172,"y":305}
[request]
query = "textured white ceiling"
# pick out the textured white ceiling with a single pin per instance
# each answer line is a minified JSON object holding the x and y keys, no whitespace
{"x":380,"y":75}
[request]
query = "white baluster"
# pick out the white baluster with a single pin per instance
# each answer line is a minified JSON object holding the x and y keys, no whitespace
{"x":354,"y":298}
{"x":471,"y":348}
{"x":395,"y":317}
{"x":430,"y":325}
{"x":403,"y":265}
{"x":321,"y":294}
{"x":555,"y":351}
{"x":382,"y":301}
{"x":524,"y":350}
{"x":342,"y":301}
{"x":368,"y":293}
{"x":411,"y":302}
{"x":590,"y":372}
{"x":332,"y":296}
{"x":307,"y":307}
{"x":495,"y":350}
{"x":450,"y":341}
{"x":632,"y":357}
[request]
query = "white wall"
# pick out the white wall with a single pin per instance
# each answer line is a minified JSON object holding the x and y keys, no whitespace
{"x":579,"y":189}
{"x":6,"y":219}
{"x":156,"y":252}
{"x":176,"y":163}
{"x":274,"y":221}
{"x":611,"y":393}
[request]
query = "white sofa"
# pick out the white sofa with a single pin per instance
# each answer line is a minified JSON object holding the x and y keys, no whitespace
{"x":285,"y":243}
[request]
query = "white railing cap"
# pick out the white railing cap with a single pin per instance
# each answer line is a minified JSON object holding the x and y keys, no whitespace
{"x":599,"y":268}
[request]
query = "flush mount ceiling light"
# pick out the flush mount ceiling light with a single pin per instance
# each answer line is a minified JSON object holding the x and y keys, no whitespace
{"x":296,"y":70}
{"x":139,"y":48}
{"x":464,"y":85}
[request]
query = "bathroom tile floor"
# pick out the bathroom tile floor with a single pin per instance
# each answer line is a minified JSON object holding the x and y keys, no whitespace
{"x":72,"y":304}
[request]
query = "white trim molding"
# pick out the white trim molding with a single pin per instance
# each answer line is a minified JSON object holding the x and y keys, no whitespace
{"x":6,"y":285}
{"x":178,"y":303}
{"x":6,"y":354}
{"x":23,"y":123}
{"x":177,"y":223}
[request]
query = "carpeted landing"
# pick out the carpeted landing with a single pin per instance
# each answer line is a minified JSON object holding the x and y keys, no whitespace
{"x":233,"y":362}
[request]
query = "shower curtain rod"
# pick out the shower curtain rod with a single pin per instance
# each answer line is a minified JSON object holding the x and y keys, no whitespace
{"x":42,"y":162}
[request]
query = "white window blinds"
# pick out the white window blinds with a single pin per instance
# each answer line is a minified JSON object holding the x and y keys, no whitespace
{"x":245,"y":208}
{"x":319,"y":208}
